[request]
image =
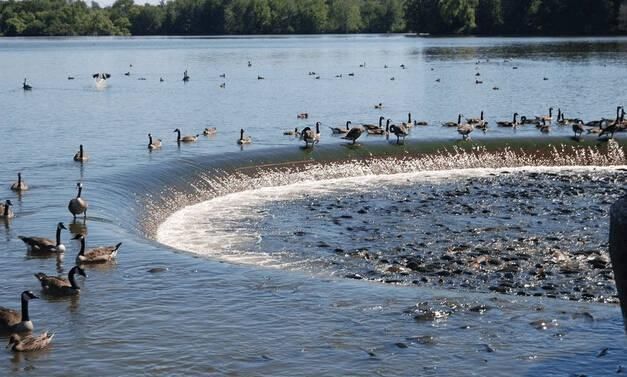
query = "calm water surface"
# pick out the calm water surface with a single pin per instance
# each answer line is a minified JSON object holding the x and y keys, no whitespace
{"x":211,"y":315}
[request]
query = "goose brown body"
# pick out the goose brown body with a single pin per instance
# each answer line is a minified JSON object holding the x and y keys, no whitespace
{"x":29,"y":343}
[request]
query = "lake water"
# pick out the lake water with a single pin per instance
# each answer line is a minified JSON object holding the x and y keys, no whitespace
{"x":275,"y":260}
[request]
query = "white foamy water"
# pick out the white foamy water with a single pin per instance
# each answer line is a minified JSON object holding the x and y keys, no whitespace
{"x":222,"y":227}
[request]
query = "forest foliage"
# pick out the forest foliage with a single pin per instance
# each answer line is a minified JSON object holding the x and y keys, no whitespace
{"x":223,"y":17}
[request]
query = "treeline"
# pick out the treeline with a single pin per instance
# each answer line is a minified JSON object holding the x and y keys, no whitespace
{"x":217,"y":17}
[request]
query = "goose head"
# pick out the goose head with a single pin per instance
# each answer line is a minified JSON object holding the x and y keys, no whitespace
{"x":8,"y":203}
{"x":79,"y":237}
{"x":61,"y":226}
{"x":28,"y":295}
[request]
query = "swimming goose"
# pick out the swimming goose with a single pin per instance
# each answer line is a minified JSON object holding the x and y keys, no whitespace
{"x":153,"y":143}
{"x":185,"y":76}
{"x":45,"y":245}
{"x":505,"y":123}
{"x":185,"y":139}
{"x":25,"y":86}
{"x":374,"y":126}
{"x":58,"y":286}
{"x":208,"y":131}
{"x":14,"y":321}
{"x":476,"y":121}
{"x":242,"y":139}
{"x":544,"y":126}
{"x":547,"y":118}
{"x":20,"y":185}
{"x":302,"y":115}
{"x":29,"y":343}
{"x":101,"y":254}
{"x":409,"y":123}
{"x":81,"y":156}
{"x":399,"y":131}
{"x":78,"y":205}
{"x":293,"y":132}
{"x":453,"y":124}
{"x":5,"y":210}
{"x":418,"y":122}
{"x":379,"y":106}
{"x":353,"y":134}
{"x":578,"y":129}
{"x":378,"y":130}
{"x":338,"y":130}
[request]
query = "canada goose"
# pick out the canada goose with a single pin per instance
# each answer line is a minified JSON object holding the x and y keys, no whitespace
{"x":465,"y":130}
{"x":161,"y":79}
{"x":399,"y":131}
{"x":454,"y":124}
{"x":101,"y":254}
{"x":378,"y":130}
{"x":409,"y":124}
{"x":25,"y":86}
{"x":127,"y":73}
{"x":379,"y":106}
{"x":370,"y":127}
{"x":78,"y":205}
{"x":417,"y":122}
{"x":302,"y":115}
{"x":70,"y":77}
{"x":250,"y":64}
{"x":29,"y":343}
{"x":20,"y":185}
{"x":525,"y":120}
{"x":153,"y":143}
{"x":208,"y":131}
{"x":609,"y":130}
{"x":293,"y":132}
{"x":505,"y":123}
{"x":185,"y":139}
{"x":338,"y":130}
{"x":475,"y":120}
{"x":353,"y":134}
{"x":547,"y":118}
{"x":223,"y":75}
{"x":45,"y":245}
{"x":14,"y":321}
{"x":260,"y":77}
{"x":5,"y":210}
{"x":185,"y":76}
{"x":578,"y":129}
{"x":223,"y":85}
{"x":544,"y":126}
{"x":242,"y":139}
{"x":317,"y":137}
{"x":309,"y":136}
{"x":58,"y":286}
{"x":81,"y":156}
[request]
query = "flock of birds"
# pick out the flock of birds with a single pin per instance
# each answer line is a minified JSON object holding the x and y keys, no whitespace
{"x":18,"y":324}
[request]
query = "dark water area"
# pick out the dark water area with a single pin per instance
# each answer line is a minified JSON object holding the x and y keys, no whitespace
{"x":241,"y":260}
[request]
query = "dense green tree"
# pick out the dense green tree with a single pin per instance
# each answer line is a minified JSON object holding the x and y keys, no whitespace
{"x":202,"y":17}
